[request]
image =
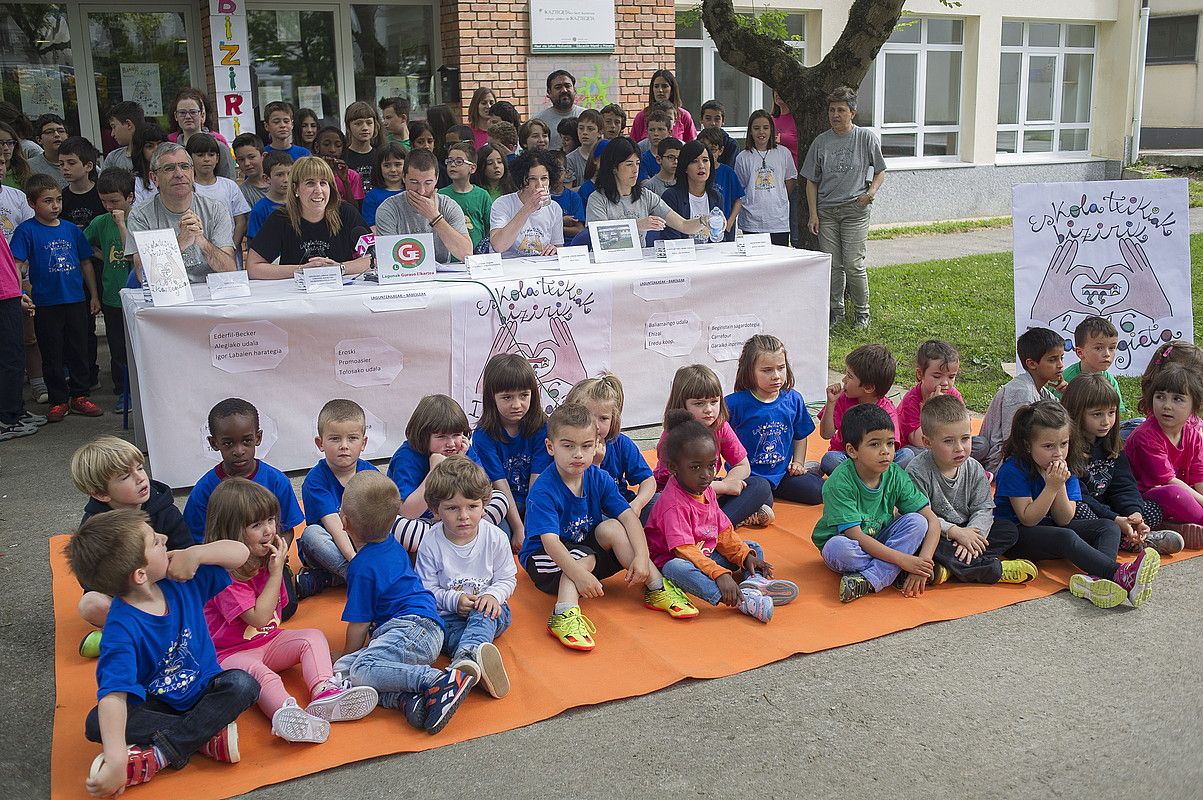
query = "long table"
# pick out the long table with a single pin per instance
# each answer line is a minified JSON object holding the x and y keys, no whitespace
{"x":386,"y":347}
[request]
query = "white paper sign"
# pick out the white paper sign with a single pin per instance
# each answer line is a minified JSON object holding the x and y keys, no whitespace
{"x":224,"y":285}
{"x":400,"y":300}
{"x":487,"y":265}
{"x":140,"y":83}
{"x":565,"y":26}
{"x":1115,"y":249}
{"x":41,"y":91}
{"x":753,"y":244}
{"x":660,"y":287}
{"x":572,"y":257}
{"x":366,"y":362}
{"x":728,"y":334}
{"x":247,"y":346}
{"x":310,"y":97}
{"x":405,"y":258}
{"x":163,"y":267}
{"x":391,"y":86}
{"x":288,"y":26}
{"x":314,"y":280}
{"x":615,"y":240}
{"x":674,"y":333}
{"x":270,"y":94}
{"x":377,"y":435}
{"x":677,"y":250}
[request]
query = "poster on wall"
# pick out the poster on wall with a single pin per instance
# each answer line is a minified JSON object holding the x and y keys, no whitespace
{"x":140,"y":83}
{"x":310,"y":97}
{"x":561,"y":324}
{"x":41,"y":91}
{"x":596,"y":80}
{"x":1114,"y":249}
{"x":571,"y":26}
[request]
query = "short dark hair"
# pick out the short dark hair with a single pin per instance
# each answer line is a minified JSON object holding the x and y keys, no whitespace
{"x":1093,"y":326}
{"x":37,"y":183}
{"x":590,"y":115}
{"x":567,"y":127}
{"x":115,"y":179}
{"x":47,"y":119}
{"x":874,"y":365}
{"x":232,"y":407}
{"x":713,"y":137}
{"x":521,"y":166}
{"x":435,"y":413}
{"x":551,"y":78}
{"x":276,"y":158}
{"x":421,"y":160}
{"x":663,"y":117}
{"x":461,"y":132}
{"x":863,"y":419}
{"x":504,"y":110}
{"x":1176,"y":379}
{"x":202,"y":143}
{"x":277,"y":105}
{"x":247,"y":140}
{"x":616,"y":110}
{"x":713,"y":105}
{"x":1035,"y":343}
{"x":383,"y":153}
{"x":845,"y":95}
{"x":936,"y":351}
{"x":570,"y":415}
{"x":680,"y":428}
{"x":81,"y":148}
{"x":505,"y":133}
{"x":668,"y":143}
{"x":127,"y":111}
{"x":399,"y":105}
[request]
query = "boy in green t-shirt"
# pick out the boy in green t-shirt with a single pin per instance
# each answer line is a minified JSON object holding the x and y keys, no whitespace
{"x":859,"y":535}
{"x":474,"y":200}
{"x":107,"y":235}
{"x":1096,"y":341}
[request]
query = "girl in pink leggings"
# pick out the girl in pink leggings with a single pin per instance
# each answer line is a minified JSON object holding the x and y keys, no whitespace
{"x":244,"y":621}
{"x":1166,"y":451}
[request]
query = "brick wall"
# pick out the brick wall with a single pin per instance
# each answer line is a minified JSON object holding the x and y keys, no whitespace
{"x":645,"y":42}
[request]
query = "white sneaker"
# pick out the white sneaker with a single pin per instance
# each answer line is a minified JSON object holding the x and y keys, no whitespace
{"x":492,"y":670}
{"x":292,"y":724}
{"x":341,"y":702}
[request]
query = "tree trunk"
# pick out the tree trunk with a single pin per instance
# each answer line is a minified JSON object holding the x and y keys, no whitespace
{"x":804,"y":89}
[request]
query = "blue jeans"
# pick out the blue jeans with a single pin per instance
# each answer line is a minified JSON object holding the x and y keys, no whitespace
{"x":317,"y":549}
{"x":691,"y":579}
{"x":179,"y":734}
{"x":738,"y":507}
{"x":465,"y":633}
{"x":1127,"y":426}
{"x":904,"y":534}
{"x":396,"y":659}
{"x":833,"y":458}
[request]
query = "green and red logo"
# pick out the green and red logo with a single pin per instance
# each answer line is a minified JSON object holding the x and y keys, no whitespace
{"x":408,"y":254}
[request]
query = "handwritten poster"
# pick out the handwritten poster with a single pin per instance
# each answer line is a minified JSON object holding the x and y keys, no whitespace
{"x":163,"y":266}
{"x":41,"y":91}
{"x":140,"y":83}
{"x":1114,"y":249}
{"x":310,"y":97}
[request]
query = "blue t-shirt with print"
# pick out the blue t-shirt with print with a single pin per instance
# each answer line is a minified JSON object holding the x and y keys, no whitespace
{"x":170,"y":658}
{"x":322,"y":491}
{"x":570,"y":204}
{"x":54,"y":253}
{"x":625,"y":464}
{"x":264,"y":207}
{"x":372,"y":200}
{"x":196,"y":510}
{"x":728,"y":186}
{"x":768,"y":430}
{"x":294,"y":152}
{"x":553,"y":508}
{"x":514,"y":460}
{"x":381,"y":585}
{"x":1013,"y":480}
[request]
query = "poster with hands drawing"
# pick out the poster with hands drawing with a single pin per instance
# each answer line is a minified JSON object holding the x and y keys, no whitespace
{"x":1115,"y":249}
{"x":560,"y":324}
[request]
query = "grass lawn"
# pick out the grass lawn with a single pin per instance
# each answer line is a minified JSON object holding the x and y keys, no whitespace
{"x":976,"y":312}
{"x":954,"y":226}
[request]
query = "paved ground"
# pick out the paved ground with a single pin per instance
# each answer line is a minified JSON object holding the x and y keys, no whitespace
{"x":1051,"y":698}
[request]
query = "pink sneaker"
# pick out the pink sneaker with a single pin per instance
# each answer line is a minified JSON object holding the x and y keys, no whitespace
{"x":224,"y":745}
{"x":340,"y":702}
{"x":1137,"y":576}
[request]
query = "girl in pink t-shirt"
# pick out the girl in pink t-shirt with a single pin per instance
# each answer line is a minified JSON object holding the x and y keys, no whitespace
{"x":746,"y":499}
{"x":244,"y":621}
{"x":1166,"y":451}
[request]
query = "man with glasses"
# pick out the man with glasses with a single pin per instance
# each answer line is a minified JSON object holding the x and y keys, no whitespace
{"x":50,"y":130}
{"x":421,"y":209}
{"x":204,"y":228}
{"x":561,"y":91}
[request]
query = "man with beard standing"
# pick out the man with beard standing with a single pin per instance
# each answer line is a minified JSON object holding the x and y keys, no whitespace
{"x":561,"y":91}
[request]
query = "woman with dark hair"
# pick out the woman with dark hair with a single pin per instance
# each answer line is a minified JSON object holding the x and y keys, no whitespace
{"x":190,"y":109}
{"x":478,"y":114}
{"x":664,"y":86}
{"x":619,"y":195}
{"x":440,"y":118}
{"x":528,"y":222}
{"x":693,"y":196}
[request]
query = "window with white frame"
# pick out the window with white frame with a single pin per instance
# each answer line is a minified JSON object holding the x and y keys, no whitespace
{"x":911,"y":94}
{"x":1046,"y":78}
{"x":703,"y":75}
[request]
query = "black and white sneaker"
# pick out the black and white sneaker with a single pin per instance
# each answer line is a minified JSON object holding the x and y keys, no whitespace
{"x":36,"y":420}
{"x":16,"y":430}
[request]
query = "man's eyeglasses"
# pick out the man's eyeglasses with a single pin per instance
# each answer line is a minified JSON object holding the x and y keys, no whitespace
{"x":183,"y":166}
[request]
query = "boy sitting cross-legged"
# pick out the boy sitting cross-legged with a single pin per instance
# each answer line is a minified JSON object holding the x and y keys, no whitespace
{"x":580,"y":530}
{"x":394,"y":629}
{"x":859,"y":534}
{"x":162,"y":695}
{"x":466,"y":562}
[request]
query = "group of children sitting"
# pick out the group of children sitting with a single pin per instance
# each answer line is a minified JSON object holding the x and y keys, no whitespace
{"x":189,"y":608}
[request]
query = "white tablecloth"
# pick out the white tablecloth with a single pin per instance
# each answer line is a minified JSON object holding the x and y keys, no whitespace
{"x":277,"y":348}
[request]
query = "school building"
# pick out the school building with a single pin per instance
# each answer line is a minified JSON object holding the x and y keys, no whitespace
{"x":968,"y":101}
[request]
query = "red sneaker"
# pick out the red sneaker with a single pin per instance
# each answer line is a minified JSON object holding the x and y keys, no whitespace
{"x":224,"y":745}
{"x":82,"y":405}
{"x":143,"y":765}
{"x":57,"y":412}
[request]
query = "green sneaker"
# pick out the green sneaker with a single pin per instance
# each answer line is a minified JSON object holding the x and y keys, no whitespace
{"x":854,"y":585}
{"x":89,"y":646}
{"x":671,"y":600}
{"x":1100,"y":591}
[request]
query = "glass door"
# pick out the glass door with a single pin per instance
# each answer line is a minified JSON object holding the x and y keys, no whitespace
{"x":37,"y":67}
{"x":295,"y":58}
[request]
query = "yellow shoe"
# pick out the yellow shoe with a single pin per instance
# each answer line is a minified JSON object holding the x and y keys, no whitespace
{"x":573,"y":629}
{"x":1018,"y":571}
{"x":670,"y":599}
{"x":939,"y":575}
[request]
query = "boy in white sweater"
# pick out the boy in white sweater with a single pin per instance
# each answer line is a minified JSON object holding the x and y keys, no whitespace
{"x":467,"y":564}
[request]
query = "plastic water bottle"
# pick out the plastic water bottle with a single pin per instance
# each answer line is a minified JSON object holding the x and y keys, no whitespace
{"x":717,"y":223}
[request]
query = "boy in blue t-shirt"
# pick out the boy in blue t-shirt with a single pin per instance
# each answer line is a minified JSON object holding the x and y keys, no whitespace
{"x":277,"y":167}
{"x":394,"y":630}
{"x":234,"y":432}
{"x":324,"y":545}
{"x":162,"y":695}
{"x":56,"y":260}
{"x":579,"y":531}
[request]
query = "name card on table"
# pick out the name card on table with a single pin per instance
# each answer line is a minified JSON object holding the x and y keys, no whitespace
{"x":405,"y":258}
{"x":678,"y":250}
{"x":397,"y":300}
{"x":314,"y":280}
{"x":163,"y":267}
{"x":753,"y":244}
{"x":572,"y":257}
{"x":224,"y":285}
{"x":487,"y":265}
